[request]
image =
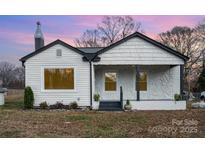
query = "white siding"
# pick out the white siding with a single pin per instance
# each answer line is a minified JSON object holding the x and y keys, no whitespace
{"x":138,"y":51}
{"x":158,"y":105}
{"x":69,"y":58}
{"x":1,"y":98}
{"x":162,"y":82}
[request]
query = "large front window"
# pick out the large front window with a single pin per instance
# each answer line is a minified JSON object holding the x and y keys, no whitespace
{"x":58,"y":78}
{"x":142,"y":82}
{"x":110,"y":81}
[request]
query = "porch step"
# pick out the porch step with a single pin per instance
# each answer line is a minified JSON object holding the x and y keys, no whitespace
{"x":110,"y":109}
{"x":110,"y":106}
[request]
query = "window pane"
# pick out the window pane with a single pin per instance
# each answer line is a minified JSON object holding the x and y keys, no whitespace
{"x":60,"y":78}
{"x":143,"y":86}
{"x":110,"y":81}
{"x":143,"y":77}
{"x":110,"y":86}
{"x":110,"y":77}
{"x":142,"y":81}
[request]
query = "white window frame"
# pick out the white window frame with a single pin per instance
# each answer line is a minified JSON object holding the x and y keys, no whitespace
{"x":56,"y":67}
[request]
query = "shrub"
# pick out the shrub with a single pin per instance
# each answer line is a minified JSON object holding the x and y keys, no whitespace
{"x":58,"y":105}
{"x":67,"y":107}
{"x":73,"y":105}
{"x":177,"y":97}
{"x":52,"y":106}
{"x":28,"y":98}
{"x":97,"y":97}
{"x":44,"y":105}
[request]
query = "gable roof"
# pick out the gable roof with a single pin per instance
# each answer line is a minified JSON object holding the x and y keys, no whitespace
{"x":91,"y":53}
{"x":23,"y":59}
{"x":147,"y":39}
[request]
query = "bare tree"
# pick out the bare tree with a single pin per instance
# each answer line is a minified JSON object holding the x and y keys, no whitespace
{"x":129,"y":26}
{"x":19,"y":74}
{"x":6,"y":73}
{"x":11,"y":76}
{"x":200,"y":29}
{"x":114,"y":28}
{"x":189,"y":42}
{"x":90,"y":38}
{"x":110,"y":30}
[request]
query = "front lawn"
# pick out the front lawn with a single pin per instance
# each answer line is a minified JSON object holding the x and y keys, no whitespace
{"x":16,"y":122}
{"x":58,"y":123}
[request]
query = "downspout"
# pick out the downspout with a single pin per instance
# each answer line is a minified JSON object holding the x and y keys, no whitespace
{"x":91,"y":85}
{"x":90,"y":60}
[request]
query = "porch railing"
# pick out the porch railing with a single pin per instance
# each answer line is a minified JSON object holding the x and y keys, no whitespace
{"x":121,"y":97}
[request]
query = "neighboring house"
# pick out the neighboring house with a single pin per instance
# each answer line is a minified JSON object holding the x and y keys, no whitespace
{"x":3,"y":91}
{"x":136,"y":68}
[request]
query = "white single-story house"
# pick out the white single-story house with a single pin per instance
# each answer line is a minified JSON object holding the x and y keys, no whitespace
{"x":136,"y":68}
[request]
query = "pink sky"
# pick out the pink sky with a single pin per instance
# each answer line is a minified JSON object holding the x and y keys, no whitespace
{"x":17,"y":32}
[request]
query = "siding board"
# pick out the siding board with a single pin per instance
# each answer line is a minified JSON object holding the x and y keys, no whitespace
{"x":69,"y":58}
{"x":138,"y":51}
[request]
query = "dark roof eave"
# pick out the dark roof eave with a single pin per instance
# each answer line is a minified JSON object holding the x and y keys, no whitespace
{"x":137,"y":34}
{"x":95,"y":57}
{"x":23,"y":59}
{"x":91,"y":57}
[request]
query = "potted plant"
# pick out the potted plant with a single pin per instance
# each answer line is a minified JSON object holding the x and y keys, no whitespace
{"x":96,"y":101}
{"x":177,"y":97}
{"x":128,"y":106}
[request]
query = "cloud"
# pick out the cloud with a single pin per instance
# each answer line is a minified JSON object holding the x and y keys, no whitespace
{"x":27,"y":38}
{"x":17,"y":32}
{"x":22,"y":38}
{"x":52,"y":37}
{"x":163,"y":23}
{"x":88,"y":21}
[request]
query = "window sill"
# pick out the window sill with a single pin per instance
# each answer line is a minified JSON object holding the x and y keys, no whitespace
{"x":59,"y":91}
{"x":110,"y":91}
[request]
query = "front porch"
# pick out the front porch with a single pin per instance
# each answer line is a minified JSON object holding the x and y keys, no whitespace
{"x":148,"y":87}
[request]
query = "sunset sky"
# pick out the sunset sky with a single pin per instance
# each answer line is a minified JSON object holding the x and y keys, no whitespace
{"x":17,"y":32}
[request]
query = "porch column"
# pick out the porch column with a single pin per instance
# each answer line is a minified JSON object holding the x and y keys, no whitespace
{"x":137,"y":83}
{"x":93,"y":81}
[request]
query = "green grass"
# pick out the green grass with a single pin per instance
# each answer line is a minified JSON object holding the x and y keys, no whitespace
{"x":12,"y":105}
{"x":14,"y":99}
{"x":82,"y":117}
